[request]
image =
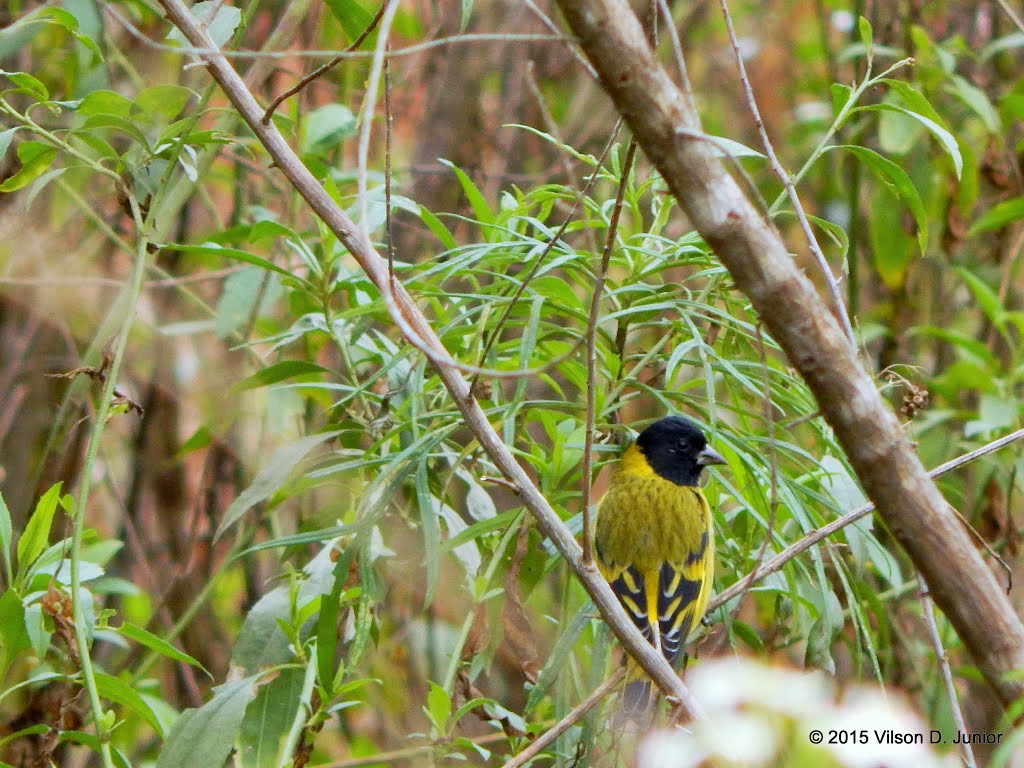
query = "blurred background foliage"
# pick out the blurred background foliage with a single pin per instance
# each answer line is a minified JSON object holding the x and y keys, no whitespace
{"x":290,"y":527}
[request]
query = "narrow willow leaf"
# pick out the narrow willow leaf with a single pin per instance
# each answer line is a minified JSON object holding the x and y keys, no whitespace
{"x":898,"y":182}
{"x":155,"y":643}
{"x":37,"y":532}
{"x":268,"y":719}
{"x":206,"y":736}
{"x":272,"y":476}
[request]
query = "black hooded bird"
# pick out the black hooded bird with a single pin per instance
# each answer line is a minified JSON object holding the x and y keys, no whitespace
{"x":655,"y":542}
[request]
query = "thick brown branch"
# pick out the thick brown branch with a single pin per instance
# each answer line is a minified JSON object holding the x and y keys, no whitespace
{"x":790,"y":307}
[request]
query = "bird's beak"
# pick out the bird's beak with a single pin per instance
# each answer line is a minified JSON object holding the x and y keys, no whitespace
{"x":709,"y":456}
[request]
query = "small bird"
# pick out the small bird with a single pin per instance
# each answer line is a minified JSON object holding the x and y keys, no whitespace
{"x":655,"y":542}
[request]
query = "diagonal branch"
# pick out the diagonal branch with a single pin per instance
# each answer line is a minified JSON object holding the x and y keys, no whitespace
{"x":663,"y":121}
{"x":775,"y":563}
{"x":409,"y":317}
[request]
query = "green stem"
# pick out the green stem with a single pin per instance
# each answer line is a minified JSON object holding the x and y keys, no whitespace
{"x":133,"y":291}
{"x":56,"y":141}
{"x":844,"y":113}
{"x":295,"y":732}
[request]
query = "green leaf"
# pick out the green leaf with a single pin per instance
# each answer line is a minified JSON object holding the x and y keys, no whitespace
{"x":327,"y":127}
{"x":995,"y":412}
{"x":117,"y":123}
{"x":298,"y":539}
{"x":465,"y":13}
{"x":41,"y":183}
{"x":266,"y":228}
{"x":439,"y":707}
{"x":439,"y":230}
{"x":327,"y":621}
{"x":163,"y":101}
{"x":118,"y":691}
{"x":5,"y":141}
{"x":866,"y":36}
{"x":106,"y":103}
{"x":35,"y":158}
{"x":13,"y":636}
{"x":261,"y":642}
{"x":286,"y":369}
{"x":37,"y":532}
{"x":27,"y":84}
{"x":431,"y":529}
{"x":841,"y":95}
{"x":155,"y":643}
{"x":977,"y":100}
{"x":944,"y":137}
{"x":272,"y":476}
{"x":911,"y":98}
{"x":32,"y":730}
{"x":6,"y":539}
{"x":898,"y":182}
{"x":268,"y":719}
{"x":558,"y":659}
{"x":354,"y":19}
{"x":238,"y":299}
{"x":748,"y":635}
{"x":206,"y":736}
{"x":1008,"y":42}
{"x":218,"y":17}
{"x":201,"y":438}
{"x":234,"y":253}
{"x":893,"y":249}
{"x":477,"y":201}
{"x":987,"y":298}
{"x":723,"y":147}
{"x":482,"y":528}
{"x":998,"y":216}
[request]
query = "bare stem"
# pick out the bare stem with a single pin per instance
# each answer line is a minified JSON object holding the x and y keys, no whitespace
{"x":787,"y":181}
{"x":592,"y":323}
{"x":566,"y":722}
{"x":928,"y":611}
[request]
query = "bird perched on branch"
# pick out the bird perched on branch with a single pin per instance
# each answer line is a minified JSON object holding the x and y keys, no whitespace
{"x":655,"y":543}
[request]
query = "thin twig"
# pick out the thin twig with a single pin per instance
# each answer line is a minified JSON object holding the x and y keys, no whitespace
{"x":592,"y":323}
{"x":566,"y":722}
{"x":677,"y":50}
{"x":323,"y":68}
{"x":409,"y":50}
{"x":569,"y":42}
{"x":406,"y":753}
{"x":1008,"y":9}
{"x":368,"y":110}
{"x":808,"y":541}
{"x":928,"y":611}
{"x":787,"y":180}
{"x":545,"y":114}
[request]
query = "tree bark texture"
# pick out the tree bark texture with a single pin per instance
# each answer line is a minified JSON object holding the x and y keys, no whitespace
{"x":667,"y":129}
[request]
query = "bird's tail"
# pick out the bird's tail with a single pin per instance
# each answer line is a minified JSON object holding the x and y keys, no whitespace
{"x":636,"y":708}
{"x":637,"y":701}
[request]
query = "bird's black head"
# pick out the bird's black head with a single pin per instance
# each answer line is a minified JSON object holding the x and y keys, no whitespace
{"x":677,"y":450}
